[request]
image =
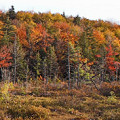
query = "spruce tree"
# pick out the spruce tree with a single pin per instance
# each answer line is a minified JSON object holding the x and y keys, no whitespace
{"x":11,"y":13}
{"x":37,"y":65}
{"x":8,"y":32}
{"x":52,"y":62}
{"x":76,"y":20}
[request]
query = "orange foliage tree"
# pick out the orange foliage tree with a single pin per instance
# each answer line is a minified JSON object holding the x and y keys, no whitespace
{"x":38,"y":37}
{"x":5,"y":61}
{"x":111,"y":64}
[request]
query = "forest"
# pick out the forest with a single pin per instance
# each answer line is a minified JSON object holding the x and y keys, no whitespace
{"x":58,"y":67}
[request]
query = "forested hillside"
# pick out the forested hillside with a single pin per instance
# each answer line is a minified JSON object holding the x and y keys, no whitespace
{"x":53,"y":46}
{"x":59,"y":52}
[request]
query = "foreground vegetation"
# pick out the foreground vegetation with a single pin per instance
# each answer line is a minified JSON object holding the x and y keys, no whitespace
{"x":56,"y":102}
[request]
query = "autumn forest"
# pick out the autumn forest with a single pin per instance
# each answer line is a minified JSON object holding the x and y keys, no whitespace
{"x":57,"y":61}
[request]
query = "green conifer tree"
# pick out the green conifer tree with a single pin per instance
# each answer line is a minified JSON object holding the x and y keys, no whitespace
{"x":8,"y":33}
{"x":11,"y":13}
{"x":52,"y":62}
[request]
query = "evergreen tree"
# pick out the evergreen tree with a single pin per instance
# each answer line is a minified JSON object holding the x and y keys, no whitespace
{"x":21,"y":64}
{"x":76,"y":20}
{"x":87,"y":43}
{"x":11,"y":13}
{"x":8,"y":32}
{"x":45,"y":70}
{"x":64,"y":15}
{"x":52,"y":62}
{"x":37,"y":65}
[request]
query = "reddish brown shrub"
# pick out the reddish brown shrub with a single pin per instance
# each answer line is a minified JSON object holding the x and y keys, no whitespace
{"x":106,"y":88}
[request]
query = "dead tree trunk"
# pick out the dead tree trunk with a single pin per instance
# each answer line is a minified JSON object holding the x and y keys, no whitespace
{"x":68,"y":67}
{"x":15,"y":57}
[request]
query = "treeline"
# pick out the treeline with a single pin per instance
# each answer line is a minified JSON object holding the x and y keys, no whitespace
{"x":54,"y":47}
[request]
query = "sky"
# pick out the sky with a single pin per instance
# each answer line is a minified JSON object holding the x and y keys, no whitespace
{"x":91,"y":9}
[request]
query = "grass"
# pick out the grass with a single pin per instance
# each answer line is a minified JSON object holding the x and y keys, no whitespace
{"x":41,"y":104}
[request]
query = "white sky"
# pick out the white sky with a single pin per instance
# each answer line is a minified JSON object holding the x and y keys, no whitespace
{"x":91,"y":9}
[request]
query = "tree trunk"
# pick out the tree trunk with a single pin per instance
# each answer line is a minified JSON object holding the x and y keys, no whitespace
{"x":15,"y":57}
{"x":68,"y":67}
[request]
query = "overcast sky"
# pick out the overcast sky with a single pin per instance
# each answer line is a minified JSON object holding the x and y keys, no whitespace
{"x":91,"y":9}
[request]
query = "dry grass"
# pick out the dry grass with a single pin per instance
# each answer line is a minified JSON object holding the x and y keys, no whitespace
{"x":37,"y":103}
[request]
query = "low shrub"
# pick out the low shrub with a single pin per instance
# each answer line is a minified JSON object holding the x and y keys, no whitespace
{"x":25,"y":111}
{"x":40,"y":92}
{"x":2,"y":115}
{"x":106,"y":88}
{"x":111,"y":115}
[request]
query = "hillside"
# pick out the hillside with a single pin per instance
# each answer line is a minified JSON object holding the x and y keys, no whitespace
{"x":54,"y":66}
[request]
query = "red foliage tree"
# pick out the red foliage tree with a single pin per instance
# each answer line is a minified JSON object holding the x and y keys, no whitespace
{"x":5,"y":57}
{"x":110,"y":60}
{"x":39,"y":38}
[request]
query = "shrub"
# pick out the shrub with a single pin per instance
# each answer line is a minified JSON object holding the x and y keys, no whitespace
{"x":5,"y":90}
{"x":25,"y":111}
{"x":111,"y":115}
{"x":40,"y":92}
{"x":106,"y":88}
{"x":2,"y":115}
